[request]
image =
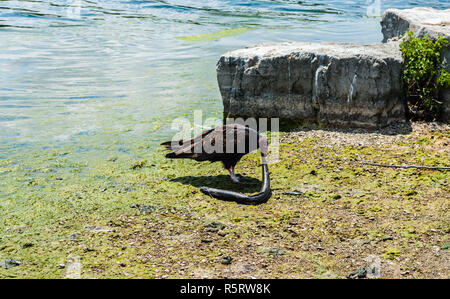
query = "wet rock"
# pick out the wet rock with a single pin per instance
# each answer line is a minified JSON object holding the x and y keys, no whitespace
{"x":334,"y":83}
{"x":9,"y":263}
{"x":227,"y":260}
{"x":214,"y":227}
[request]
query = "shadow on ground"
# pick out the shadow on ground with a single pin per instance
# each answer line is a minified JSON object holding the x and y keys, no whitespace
{"x":247,"y":185}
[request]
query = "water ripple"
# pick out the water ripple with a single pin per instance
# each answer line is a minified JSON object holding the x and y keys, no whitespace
{"x":92,"y":71}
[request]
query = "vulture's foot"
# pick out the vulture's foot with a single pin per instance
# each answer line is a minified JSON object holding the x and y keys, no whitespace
{"x":234,"y":177}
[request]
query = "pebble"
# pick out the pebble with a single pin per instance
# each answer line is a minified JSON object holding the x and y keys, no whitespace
{"x":227,"y":260}
{"x":214,"y":227}
{"x":360,"y":273}
{"x":9,"y":263}
{"x":144,"y":208}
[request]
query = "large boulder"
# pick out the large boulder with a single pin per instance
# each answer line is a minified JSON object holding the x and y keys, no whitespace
{"x":423,"y":21}
{"x":334,"y":83}
{"x":420,"y":20}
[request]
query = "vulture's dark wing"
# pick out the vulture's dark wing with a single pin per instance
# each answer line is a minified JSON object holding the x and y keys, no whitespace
{"x":184,"y":146}
{"x":215,"y":144}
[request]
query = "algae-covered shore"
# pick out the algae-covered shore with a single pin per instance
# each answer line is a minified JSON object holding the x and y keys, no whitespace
{"x":144,"y":217}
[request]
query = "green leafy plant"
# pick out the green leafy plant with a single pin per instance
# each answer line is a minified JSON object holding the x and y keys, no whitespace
{"x":424,"y":74}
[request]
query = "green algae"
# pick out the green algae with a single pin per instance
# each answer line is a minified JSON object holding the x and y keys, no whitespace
{"x":49,"y":197}
{"x":208,"y":37}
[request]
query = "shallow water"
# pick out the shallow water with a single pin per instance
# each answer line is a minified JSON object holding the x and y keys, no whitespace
{"x":100,"y":75}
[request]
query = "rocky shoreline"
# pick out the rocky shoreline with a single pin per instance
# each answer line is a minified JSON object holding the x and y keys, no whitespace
{"x":329,"y":216}
{"x":329,"y":83}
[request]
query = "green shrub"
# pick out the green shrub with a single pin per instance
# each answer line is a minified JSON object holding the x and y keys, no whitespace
{"x":423,"y":74}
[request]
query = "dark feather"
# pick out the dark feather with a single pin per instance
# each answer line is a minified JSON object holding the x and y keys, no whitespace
{"x":241,"y":140}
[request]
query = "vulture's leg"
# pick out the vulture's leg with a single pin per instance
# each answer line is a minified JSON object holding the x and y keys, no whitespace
{"x":234,"y":178}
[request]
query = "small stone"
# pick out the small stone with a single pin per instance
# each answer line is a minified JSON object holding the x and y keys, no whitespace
{"x":9,"y":263}
{"x":144,"y":208}
{"x":275,"y":251}
{"x":138,"y":164}
{"x":360,"y":273}
{"x":373,"y":271}
{"x":214,"y":227}
{"x":293,"y":193}
{"x":61,"y":266}
{"x":206,"y":241}
{"x":249,"y":268}
{"x":129,"y":189}
{"x":227,"y":260}
{"x":27,"y":245}
{"x":222,"y":234}
{"x":96,"y":229}
{"x":72,"y":236}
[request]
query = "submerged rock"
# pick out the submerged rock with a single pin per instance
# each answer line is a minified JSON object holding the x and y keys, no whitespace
{"x":334,"y":83}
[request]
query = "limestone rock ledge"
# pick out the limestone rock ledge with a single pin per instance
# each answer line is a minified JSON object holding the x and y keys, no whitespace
{"x":333,"y":83}
{"x":422,"y":21}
